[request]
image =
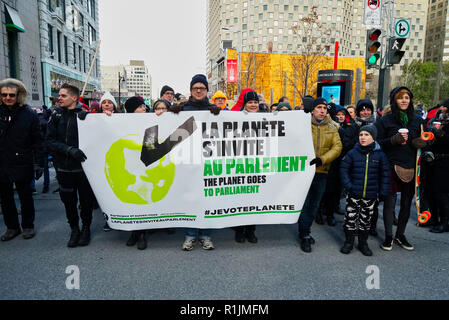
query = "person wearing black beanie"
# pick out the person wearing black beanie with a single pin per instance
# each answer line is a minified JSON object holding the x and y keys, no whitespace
{"x":365,"y":112}
{"x":168,"y":94}
{"x":307,"y":103}
{"x":135,"y":105}
{"x":198,"y":101}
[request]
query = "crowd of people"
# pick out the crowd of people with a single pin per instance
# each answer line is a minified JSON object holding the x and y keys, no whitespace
{"x":364,"y":154}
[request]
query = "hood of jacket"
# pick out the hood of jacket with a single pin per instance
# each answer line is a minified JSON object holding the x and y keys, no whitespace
{"x":22,"y":92}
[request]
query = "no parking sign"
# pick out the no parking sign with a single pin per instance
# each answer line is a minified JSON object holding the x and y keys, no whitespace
{"x":373,"y":12}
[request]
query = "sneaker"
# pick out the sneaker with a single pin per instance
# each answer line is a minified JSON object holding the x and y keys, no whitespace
{"x":207,"y":244}
{"x":402,"y":241}
{"x":11,"y":234}
{"x":388,"y":244}
{"x":188,"y":244}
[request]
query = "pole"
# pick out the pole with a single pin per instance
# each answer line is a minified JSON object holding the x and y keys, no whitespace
{"x":91,"y":67}
{"x":119,"y":93}
{"x":358,"y":85}
{"x":337,"y":47}
{"x":285,"y":84}
{"x":294,"y":93}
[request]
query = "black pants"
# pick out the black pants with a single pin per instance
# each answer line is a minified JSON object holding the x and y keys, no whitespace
{"x":404,"y":213}
{"x":72,"y":185}
{"x":245,"y":229}
{"x":9,"y":209}
{"x":439,"y":206}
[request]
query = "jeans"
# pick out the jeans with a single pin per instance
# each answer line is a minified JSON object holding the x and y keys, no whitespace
{"x":311,"y":204}
{"x":9,"y":208}
{"x":202,"y":234}
{"x":404,"y":213}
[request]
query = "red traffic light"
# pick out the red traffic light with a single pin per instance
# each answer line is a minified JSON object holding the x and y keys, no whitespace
{"x":375,"y":34}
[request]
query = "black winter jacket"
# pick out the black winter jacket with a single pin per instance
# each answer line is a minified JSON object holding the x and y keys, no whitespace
{"x":402,"y":155}
{"x":365,"y":172}
{"x":192,"y":105}
{"x":21,"y":143}
{"x":62,"y":134}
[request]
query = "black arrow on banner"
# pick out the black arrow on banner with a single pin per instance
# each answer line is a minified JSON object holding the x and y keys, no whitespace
{"x":153,"y":151}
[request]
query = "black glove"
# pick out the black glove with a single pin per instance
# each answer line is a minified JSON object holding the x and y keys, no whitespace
{"x":176,"y":109}
{"x":38,"y":172}
{"x":397,"y":139}
{"x":316,"y":161}
{"x":418,"y":143}
{"x":428,"y":156}
{"x":215,"y":110}
{"x":77,"y":154}
{"x":82,"y":115}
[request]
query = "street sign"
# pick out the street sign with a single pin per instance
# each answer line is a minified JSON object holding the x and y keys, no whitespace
{"x":402,"y":28}
{"x":373,"y":12}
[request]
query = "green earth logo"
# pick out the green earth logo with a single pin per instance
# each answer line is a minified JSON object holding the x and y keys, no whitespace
{"x":128,"y":177}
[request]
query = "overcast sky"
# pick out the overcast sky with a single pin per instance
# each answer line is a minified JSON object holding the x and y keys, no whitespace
{"x":169,"y":35}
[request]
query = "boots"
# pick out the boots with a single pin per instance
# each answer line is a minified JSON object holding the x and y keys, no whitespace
{"x":363,"y":244}
{"x":331,"y":220}
{"x":441,"y":227}
{"x":85,"y":236}
{"x":134,"y":237}
{"x":349,"y":242}
{"x":251,"y":236}
{"x":74,"y":237}
{"x":142,"y":241}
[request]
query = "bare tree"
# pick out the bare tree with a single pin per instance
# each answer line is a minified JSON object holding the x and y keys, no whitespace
{"x":253,"y":62}
{"x":316,"y":42}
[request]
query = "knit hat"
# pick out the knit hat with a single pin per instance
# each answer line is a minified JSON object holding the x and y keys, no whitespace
{"x":395,"y":91}
{"x":108,"y":96}
{"x":317,"y":102}
{"x":445,"y":103}
{"x":283,"y":105}
{"x":332,"y":109}
{"x":371,"y":129}
{"x":165,"y":89}
{"x":132,"y":104}
{"x":364,"y":104}
{"x":307,"y":102}
{"x":199,"y":78}
{"x":250,"y":96}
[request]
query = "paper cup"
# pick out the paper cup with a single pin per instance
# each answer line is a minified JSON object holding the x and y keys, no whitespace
{"x":404,"y":133}
{"x":437,"y":125}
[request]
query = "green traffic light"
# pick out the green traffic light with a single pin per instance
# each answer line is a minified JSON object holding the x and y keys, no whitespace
{"x":373,"y":59}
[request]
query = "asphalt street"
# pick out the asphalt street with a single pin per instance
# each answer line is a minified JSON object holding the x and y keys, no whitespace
{"x":273,"y":269}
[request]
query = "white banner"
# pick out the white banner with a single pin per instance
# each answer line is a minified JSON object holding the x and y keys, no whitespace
{"x":373,"y":13}
{"x":198,"y":170}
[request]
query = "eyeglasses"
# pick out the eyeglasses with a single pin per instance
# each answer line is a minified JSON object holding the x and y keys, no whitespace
{"x":199,"y":89}
{"x":160,"y":109}
{"x":12,"y":95}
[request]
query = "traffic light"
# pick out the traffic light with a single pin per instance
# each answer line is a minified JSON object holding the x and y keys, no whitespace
{"x":394,"y":50}
{"x":372,"y":47}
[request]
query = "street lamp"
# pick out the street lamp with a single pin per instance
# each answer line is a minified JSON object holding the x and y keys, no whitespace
{"x":238,"y":54}
{"x":120,"y":79}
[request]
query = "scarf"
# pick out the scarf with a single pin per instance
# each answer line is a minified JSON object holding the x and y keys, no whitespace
{"x":403,"y":117}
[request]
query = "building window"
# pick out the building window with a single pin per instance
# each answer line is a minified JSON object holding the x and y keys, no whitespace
{"x":66,"y":51}
{"x":51,"y":47}
{"x":58,"y":39}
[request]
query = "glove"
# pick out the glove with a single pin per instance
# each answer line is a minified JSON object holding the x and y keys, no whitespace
{"x":428,"y":156}
{"x":418,"y":143}
{"x":316,"y":161}
{"x":215,"y":110}
{"x":38,"y":172}
{"x":77,"y":154}
{"x":176,"y":109}
{"x":397,"y":139}
{"x":82,"y":115}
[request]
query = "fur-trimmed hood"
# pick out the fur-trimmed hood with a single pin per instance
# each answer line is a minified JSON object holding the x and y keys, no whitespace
{"x":22,"y":92}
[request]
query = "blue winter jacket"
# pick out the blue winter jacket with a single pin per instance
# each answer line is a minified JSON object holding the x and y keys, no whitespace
{"x":365,"y":172}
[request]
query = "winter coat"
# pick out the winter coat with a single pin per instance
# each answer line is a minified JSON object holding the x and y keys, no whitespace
{"x":437,"y":172}
{"x":21,"y":143}
{"x":62,"y":134}
{"x":389,"y":125}
{"x":192,"y":105}
{"x":365,"y":172}
{"x":326,"y":142}
{"x":240,"y":102}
